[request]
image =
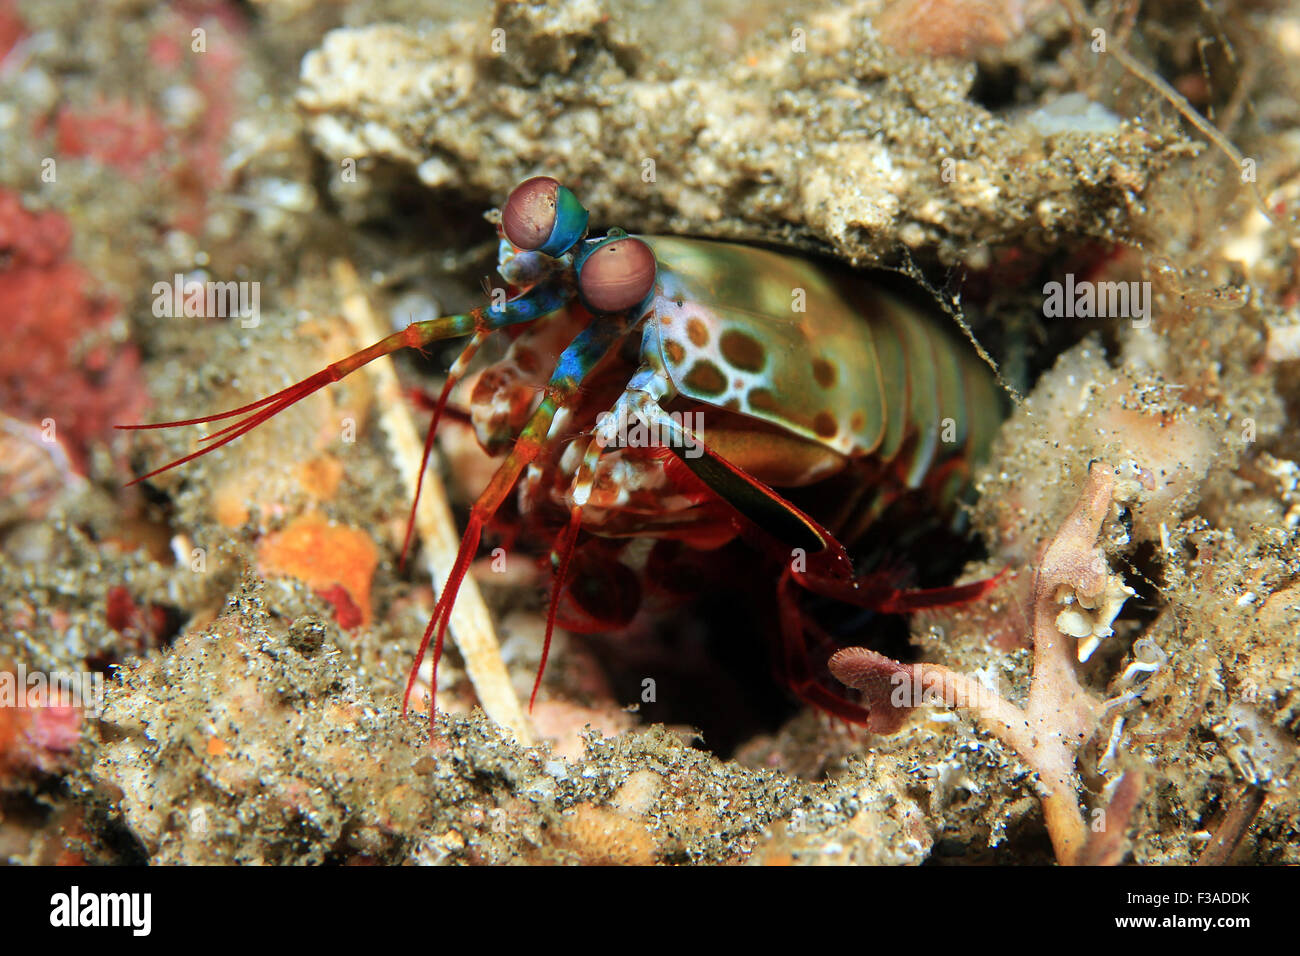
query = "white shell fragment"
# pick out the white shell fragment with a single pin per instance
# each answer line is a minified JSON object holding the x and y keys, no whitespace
{"x":1088,"y":617}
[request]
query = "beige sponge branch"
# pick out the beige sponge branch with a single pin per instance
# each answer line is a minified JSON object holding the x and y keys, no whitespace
{"x":1073,"y":586}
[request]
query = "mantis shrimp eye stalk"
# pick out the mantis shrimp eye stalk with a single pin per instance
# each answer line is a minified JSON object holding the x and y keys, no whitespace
{"x":617,"y":274}
{"x":544,"y":216}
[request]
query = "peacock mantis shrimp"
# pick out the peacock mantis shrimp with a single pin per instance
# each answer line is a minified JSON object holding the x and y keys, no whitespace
{"x":663,"y":389}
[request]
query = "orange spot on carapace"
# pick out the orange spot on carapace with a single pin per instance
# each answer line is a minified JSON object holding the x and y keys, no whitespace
{"x":336,"y":561}
{"x":743,"y":351}
{"x":697,"y":332}
{"x":824,"y":372}
{"x":762,"y":400}
{"x":216,"y":747}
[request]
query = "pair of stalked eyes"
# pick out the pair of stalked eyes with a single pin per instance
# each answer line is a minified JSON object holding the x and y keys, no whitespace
{"x":614,"y":274}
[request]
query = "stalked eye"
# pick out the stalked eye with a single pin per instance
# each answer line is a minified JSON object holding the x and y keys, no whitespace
{"x":543,"y":215}
{"x":616,"y":275}
{"x":529,"y":215}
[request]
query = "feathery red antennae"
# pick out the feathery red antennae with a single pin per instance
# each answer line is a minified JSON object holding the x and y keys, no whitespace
{"x":261,"y":411}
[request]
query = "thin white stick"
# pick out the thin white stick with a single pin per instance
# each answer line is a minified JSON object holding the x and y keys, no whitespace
{"x":471,"y":625}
